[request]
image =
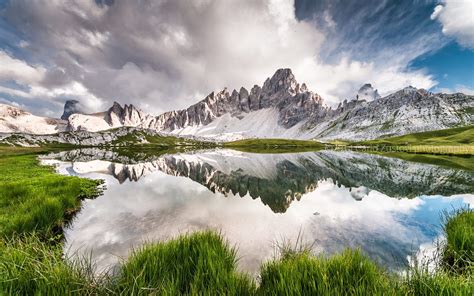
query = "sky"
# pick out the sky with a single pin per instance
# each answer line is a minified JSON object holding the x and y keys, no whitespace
{"x":162,"y":55}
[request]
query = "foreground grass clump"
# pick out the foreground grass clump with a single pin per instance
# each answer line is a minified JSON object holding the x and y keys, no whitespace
{"x":29,"y":265}
{"x":197,"y":264}
{"x":421,"y":282}
{"x":349,"y":273}
{"x":35,"y":198}
{"x":458,"y":254}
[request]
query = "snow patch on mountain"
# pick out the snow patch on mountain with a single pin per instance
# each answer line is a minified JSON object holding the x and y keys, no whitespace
{"x":15,"y":120}
{"x":257,"y":124}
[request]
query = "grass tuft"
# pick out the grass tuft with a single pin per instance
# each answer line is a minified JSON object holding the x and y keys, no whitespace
{"x":458,"y":253}
{"x":197,"y":264}
{"x":348,"y":273}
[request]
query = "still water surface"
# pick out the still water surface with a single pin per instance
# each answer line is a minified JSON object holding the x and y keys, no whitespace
{"x":390,"y":208}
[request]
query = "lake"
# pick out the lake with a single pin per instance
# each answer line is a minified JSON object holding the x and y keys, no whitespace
{"x":327,"y":200}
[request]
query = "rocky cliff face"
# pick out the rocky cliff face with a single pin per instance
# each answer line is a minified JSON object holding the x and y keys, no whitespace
{"x":71,"y":107}
{"x":280,"y":108}
{"x":116,"y":116}
{"x":283,"y":108}
{"x":293,"y":101}
{"x":406,"y":111}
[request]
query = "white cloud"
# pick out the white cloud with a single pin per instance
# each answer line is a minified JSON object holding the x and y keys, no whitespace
{"x":457,"y":19}
{"x":169,"y":54}
{"x":30,"y":78}
{"x":465,"y":89}
{"x":458,"y":88}
{"x":18,"y":70}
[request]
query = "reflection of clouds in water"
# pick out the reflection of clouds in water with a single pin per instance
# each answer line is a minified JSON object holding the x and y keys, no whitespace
{"x":161,"y":206}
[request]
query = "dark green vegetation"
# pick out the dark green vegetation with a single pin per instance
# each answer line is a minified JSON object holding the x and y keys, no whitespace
{"x":31,"y":260}
{"x":274,"y":145}
{"x":447,"y":137}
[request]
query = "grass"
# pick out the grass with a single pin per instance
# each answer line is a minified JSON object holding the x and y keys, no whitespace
{"x":348,"y":273}
{"x":34,"y":197}
{"x":463,"y":162}
{"x":421,"y":282}
{"x":274,"y":145}
{"x":197,"y":264}
{"x":453,"y":141}
{"x":31,"y":265}
{"x":446,"y":137}
{"x":144,"y":138}
{"x":35,"y":203}
{"x":458,"y":254}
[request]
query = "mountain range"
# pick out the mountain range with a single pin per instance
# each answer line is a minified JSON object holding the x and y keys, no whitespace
{"x":280,"y":108}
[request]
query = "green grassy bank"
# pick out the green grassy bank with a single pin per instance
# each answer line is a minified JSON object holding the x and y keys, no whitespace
{"x":453,"y":141}
{"x":446,"y":137}
{"x":273,"y":145}
{"x":35,"y":202}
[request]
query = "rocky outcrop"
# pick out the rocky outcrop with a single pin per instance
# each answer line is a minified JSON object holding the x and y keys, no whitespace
{"x":71,"y":107}
{"x":407,"y":111}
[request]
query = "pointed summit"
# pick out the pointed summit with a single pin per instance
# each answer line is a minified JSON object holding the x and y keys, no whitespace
{"x":282,"y":81}
{"x":71,"y":107}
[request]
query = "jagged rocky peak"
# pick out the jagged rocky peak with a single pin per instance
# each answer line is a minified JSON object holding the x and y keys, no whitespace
{"x":127,"y":115}
{"x":367,"y":93}
{"x":72,"y":107}
{"x":282,"y":81}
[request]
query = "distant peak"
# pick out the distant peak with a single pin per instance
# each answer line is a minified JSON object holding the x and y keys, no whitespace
{"x":367,"y":93}
{"x":72,"y":107}
{"x":282,"y":80}
{"x":284,"y":72}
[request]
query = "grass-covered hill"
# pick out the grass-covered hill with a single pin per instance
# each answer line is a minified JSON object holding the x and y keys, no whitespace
{"x":446,"y":137}
{"x":274,"y":145}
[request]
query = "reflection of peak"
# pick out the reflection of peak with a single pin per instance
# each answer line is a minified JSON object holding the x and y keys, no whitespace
{"x":279,"y":179}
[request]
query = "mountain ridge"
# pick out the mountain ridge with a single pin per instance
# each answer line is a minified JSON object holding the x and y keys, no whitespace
{"x":280,"y":108}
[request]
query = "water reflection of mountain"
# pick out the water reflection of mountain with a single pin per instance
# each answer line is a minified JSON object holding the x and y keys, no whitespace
{"x":278,"y":179}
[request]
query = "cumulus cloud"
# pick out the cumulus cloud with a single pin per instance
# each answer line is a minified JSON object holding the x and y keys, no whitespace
{"x":457,"y":19}
{"x":163,"y":55}
{"x":18,"y":70}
